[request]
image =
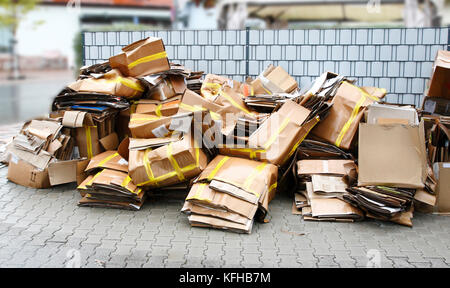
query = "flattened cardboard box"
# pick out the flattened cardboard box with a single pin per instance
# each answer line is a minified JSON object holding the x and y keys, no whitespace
{"x":144,"y":57}
{"x":190,"y":209}
{"x":108,"y":159}
{"x":174,"y":163}
{"x":327,"y":167}
{"x":213,"y":222}
{"x":392,"y":155}
{"x":341,"y":124}
{"x":252,"y":181}
{"x":201,"y":194}
{"x":111,"y":83}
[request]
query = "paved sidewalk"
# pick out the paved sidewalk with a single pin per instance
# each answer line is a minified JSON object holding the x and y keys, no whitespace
{"x":39,"y":228}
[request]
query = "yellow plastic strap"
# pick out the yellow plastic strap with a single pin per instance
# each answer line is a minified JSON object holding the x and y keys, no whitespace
{"x":274,"y":136}
{"x":273,"y":186}
{"x":89,"y":183}
{"x":215,"y":116}
{"x":217,"y":168}
{"x":251,"y":151}
{"x":125,"y":183}
{"x":301,"y":139}
{"x":89,"y":141}
{"x":252,"y":176}
{"x":198,"y":193}
{"x":213,"y":85}
{"x":134,"y":103}
{"x":192,"y":108}
{"x":148,"y":168}
{"x":104,"y":161}
{"x":154,"y":181}
{"x":364,"y":96}
{"x":174,"y":163}
{"x":158,"y":110}
{"x":216,"y":87}
{"x":149,"y":118}
{"x":350,"y":120}
{"x":149,"y":58}
{"x":127,"y":82}
{"x":234,"y":103}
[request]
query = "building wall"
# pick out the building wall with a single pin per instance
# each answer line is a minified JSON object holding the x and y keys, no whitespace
{"x":61,"y":24}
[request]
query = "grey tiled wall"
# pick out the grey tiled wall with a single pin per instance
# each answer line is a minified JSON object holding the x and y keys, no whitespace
{"x":399,"y":60}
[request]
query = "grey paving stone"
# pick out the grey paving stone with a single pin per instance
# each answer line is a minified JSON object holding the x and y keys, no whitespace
{"x":38,"y":228}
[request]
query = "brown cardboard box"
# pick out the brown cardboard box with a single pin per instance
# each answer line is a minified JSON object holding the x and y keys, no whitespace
{"x":278,"y":137}
{"x":274,"y":80}
{"x":389,"y":114}
{"x":25,"y":174}
{"x":62,"y":172}
{"x":149,"y":126}
{"x":144,"y":57}
{"x":439,"y":85}
{"x":442,"y":170}
{"x":170,"y":164}
{"x":341,"y":124}
{"x":87,"y":136}
{"x":392,"y":155}
{"x":212,"y":85}
{"x":168,"y":88}
{"x":218,"y":114}
{"x":158,"y":108}
{"x":112,"y":83}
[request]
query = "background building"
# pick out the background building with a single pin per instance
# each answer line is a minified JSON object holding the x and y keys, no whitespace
{"x":50,"y":44}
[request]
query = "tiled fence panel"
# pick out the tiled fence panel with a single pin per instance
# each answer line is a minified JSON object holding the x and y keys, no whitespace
{"x":397,"y":59}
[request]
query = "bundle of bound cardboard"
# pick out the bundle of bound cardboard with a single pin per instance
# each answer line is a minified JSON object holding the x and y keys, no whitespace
{"x":130,"y":127}
{"x":230,"y":193}
{"x":109,"y":185}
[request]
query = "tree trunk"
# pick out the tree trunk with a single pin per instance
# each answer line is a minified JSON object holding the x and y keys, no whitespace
{"x":15,"y":66}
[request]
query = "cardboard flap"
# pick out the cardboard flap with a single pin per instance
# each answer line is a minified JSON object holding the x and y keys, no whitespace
{"x":110,"y":142}
{"x":62,"y":172}
{"x":77,"y":119}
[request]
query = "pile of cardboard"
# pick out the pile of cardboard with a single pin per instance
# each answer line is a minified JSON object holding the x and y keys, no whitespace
{"x":40,"y":155}
{"x":138,"y":125}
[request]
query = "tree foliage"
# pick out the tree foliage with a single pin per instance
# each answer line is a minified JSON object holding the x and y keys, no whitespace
{"x":13,"y":11}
